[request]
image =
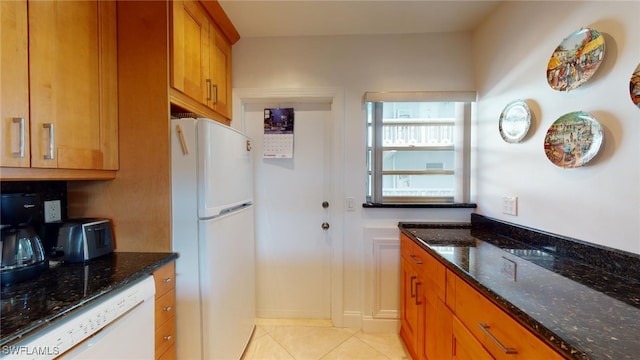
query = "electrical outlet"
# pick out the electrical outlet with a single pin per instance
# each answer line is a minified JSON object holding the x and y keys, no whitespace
{"x":509,"y":268}
{"x":52,"y":211}
{"x":510,"y":205}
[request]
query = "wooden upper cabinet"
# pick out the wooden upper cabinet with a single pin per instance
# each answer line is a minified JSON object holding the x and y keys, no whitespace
{"x":73,"y":84}
{"x":14,"y":85}
{"x":200,"y":58}
{"x":220,"y":73}
{"x":190,"y":55}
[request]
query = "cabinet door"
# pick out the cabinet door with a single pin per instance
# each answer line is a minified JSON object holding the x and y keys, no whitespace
{"x":409,"y":306}
{"x":14,"y":85}
{"x":436,"y":329}
{"x":190,"y":50}
{"x":219,"y":98}
{"x":73,"y":90}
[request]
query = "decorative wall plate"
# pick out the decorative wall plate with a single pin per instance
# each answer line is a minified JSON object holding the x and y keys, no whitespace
{"x":634,"y":87}
{"x":514,"y":121}
{"x":575,"y":60}
{"x":573,"y":139}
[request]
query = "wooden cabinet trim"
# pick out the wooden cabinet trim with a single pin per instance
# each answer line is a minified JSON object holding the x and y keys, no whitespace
{"x":222,"y":20}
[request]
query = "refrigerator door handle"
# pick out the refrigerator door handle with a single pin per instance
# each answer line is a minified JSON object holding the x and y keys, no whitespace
{"x":183,"y":141}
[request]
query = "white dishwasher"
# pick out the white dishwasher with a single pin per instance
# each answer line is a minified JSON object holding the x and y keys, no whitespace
{"x":121,"y":326}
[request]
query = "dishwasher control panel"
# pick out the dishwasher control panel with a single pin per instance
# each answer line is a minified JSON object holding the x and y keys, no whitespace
{"x":76,"y":328}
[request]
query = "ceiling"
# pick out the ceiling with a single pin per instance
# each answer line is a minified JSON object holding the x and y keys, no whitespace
{"x":354,"y":17}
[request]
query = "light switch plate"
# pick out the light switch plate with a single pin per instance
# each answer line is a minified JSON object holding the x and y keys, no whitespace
{"x":510,"y":205}
{"x":52,"y":211}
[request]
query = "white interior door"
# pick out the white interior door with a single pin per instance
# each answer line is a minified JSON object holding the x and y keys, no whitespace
{"x":293,"y":251}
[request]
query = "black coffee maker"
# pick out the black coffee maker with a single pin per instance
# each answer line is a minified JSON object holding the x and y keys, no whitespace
{"x":21,"y":254}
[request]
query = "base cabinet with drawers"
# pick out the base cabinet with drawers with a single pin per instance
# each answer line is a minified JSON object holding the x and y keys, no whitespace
{"x":443,"y":317}
{"x":165,"y":321}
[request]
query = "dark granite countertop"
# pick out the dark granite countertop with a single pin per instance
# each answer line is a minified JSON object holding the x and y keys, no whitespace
{"x":583,"y":310}
{"x":34,"y":305}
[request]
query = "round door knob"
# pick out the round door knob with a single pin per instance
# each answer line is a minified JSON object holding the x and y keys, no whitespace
{"x":325,"y":226}
{"x":325,"y":204}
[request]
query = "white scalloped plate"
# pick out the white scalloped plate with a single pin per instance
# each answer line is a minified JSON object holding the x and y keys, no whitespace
{"x":514,"y":121}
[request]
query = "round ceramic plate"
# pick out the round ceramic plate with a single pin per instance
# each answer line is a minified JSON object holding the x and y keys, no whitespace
{"x":514,"y":121}
{"x":573,"y":139}
{"x":634,"y":87}
{"x":575,"y":60}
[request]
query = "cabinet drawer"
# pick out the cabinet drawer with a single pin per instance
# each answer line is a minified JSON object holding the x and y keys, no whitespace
{"x":465,"y":346}
{"x":165,"y":337}
{"x":164,"y":278}
{"x":165,"y":307}
{"x":428,"y":266}
{"x":496,"y":330}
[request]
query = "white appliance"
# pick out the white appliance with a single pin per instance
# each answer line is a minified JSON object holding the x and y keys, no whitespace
{"x":213,"y":232}
{"x":120,"y":326}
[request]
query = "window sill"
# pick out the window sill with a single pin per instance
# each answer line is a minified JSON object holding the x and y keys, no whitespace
{"x":418,"y":205}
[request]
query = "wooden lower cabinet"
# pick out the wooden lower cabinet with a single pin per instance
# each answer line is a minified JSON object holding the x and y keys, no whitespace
{"x":443,"y":317}
{"x":165,"y":312}
{"x":410,"y":304}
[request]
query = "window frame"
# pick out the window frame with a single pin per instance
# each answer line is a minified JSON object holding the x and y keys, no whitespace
{"x":465,"y":104}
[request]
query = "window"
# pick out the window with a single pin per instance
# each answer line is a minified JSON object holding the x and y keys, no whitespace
{"x":418,"y":147}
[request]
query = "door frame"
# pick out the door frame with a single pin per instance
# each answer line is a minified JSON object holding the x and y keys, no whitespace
{"x":334,"y":96}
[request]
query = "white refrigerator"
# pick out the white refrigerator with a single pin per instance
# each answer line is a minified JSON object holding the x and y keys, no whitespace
{"x":213,"y":233}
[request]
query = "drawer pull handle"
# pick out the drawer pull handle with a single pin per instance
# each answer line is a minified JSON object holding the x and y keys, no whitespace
{"x":416,"y":259}
{"x":167,"y":337}
{"x":167,"y":308}
{"x":418,"y":302}
{"x":413,"y":294}
{"x":507,"y":350}
{"x":167,"y":280}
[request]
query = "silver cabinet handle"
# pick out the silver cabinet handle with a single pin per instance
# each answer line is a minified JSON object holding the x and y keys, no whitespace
{"x":167,"y":280}
{"x":52,"y":142}
{"x":216,"y":92}
{"x":21,"y":139}
{"x":167,"y":308}
{"x":167,"y":337}
{"x":506,"y":350}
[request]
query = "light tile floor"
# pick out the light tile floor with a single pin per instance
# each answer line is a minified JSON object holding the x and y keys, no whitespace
{"x":292,"y":339}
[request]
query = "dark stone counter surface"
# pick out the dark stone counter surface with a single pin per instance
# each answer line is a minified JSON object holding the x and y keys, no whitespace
{"x":580,"y":298}
{"x":34,"y":305}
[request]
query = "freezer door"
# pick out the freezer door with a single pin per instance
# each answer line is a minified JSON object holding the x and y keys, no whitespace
{"x":225,"y":168}
{"x":227,"y":283}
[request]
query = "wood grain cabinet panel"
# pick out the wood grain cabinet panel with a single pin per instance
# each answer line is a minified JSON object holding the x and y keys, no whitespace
{"x":499,"y":333}
{"x":443,"y":317}
{"x":200,"y":58}
{"x":14,"y":85}
{"x":73,"y":84}
{"x":72,"y":121}
{"x":165,"y":332}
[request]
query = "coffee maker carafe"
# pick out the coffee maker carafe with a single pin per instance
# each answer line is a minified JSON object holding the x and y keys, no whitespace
{"x":22,"y":256}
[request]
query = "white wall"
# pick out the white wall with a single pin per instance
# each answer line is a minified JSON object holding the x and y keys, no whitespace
{"x":505,"y":59}
{"x":599,"y":202}
{"x":358,"y":64}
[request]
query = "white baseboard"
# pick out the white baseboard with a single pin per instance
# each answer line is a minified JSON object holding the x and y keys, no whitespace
{"x":352,"y":319}
{"x":371,"y":325}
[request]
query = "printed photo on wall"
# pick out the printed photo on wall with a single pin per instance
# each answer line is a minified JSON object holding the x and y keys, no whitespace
{"x":278,"y":133}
